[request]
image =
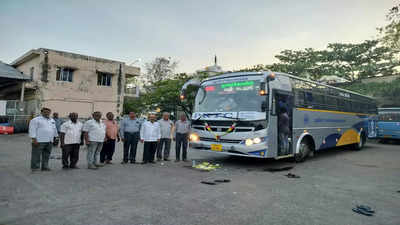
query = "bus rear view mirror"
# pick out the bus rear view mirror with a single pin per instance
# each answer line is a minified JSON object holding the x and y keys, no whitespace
{"x":192,"y":82}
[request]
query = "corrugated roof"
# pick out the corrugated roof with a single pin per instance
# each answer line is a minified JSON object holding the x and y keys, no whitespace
{"x":7,"y":71}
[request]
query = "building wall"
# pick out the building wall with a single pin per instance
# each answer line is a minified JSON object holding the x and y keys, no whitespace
{"x":25,"y":68}
{"x":82,"y":95}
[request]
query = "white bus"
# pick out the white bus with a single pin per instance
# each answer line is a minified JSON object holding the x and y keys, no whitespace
{"x":275,"y":115}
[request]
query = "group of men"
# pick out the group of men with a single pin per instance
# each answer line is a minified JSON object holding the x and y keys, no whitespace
{"x":100,"y":138}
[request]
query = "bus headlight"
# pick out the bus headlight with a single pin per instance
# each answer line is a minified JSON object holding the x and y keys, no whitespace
{"x":249,"y":142}
{"x":257,"y":140}
{"x":194,"y":137}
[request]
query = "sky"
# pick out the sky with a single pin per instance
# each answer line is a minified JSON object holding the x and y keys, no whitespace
{"x":241,"y":33}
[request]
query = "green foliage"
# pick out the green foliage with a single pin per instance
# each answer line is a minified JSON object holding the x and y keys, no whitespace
{"x":164,"y":95}
{"x":387,"y":90}
{"x":390,"y":34}
{"x":136,"y":105}
{"x":349,"y":61}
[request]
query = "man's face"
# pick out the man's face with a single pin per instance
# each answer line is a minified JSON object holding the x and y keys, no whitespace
{"x":152,"y":117}
{"x":165,"y":116}
{"x":97,"y":116}
{"x":183,"y":118}
{"x":110,"y":116}
{"x":55,"y":115}
{"x":74,"y":117}
{"x":46,"y":113}
{"x":132,"y":115}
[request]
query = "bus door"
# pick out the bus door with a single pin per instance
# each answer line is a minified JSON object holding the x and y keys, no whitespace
{"x":283,"y":102}
{"x":372,"y":126}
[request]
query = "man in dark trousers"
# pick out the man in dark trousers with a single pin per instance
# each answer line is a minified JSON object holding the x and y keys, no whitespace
{"x":70,"y":139}
{"x":284,"y":130}
{"x":112,"y":136}
{"x":42,"y":130}
{"x":182,"y":129}
{"x":166,"y":126}
{"x":129,"y":132}
{"x":150,"y":134}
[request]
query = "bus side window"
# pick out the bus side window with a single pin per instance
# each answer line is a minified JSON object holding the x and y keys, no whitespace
{"x":332,"y":102}
{"x":309,"y":99}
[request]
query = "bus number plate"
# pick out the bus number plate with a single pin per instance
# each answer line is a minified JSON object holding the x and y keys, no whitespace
{"x":216,"y":147}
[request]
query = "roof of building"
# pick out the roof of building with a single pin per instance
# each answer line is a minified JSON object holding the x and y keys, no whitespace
{"x":7,"y":71}
{"x":36,"y":52}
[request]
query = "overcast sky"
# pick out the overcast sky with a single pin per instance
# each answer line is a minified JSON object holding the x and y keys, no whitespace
{"x":241,"y":33}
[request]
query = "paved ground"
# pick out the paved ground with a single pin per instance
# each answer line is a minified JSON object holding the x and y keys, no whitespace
{"x":330,"y":185}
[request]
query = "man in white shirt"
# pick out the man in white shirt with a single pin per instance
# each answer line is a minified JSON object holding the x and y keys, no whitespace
{"x":166,"y":126}
{"x":70,"y":137}
{"x":42,"y":130}
{"x":150,"y":134}
{"x":182,"y":129}
{"x":94,"y":132}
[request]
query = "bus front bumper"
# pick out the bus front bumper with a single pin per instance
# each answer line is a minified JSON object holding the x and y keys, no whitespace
{"x":256,"y":150}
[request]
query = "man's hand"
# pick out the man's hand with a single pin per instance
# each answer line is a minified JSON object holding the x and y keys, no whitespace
{"x":141,"y":140}
{"x":158,"y":140}
{"x":61,"y":145}
{"x":34,"y":142}
{"x":123,"y":139}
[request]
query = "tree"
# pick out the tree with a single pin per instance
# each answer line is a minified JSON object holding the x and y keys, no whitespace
{"x":349,"y":61}
{"x":159,"y":69}
{"x":164,"y":95}
{"x":390,"y":34}
{"x":358,"y":61}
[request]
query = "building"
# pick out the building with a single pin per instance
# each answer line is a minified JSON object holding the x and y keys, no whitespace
{"x":12,"y":113}
{"x":68,"y":82}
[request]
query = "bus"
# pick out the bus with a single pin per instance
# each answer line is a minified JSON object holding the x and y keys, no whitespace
{"x":388,"y":124}
{"x":275,"y":115}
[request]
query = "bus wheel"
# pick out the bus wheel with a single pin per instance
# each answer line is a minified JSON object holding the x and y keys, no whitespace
{"x":304,"y":151}
{"x":358,"y":146}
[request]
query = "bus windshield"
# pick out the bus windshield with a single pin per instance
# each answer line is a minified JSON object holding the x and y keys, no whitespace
{"x":230,"y":97}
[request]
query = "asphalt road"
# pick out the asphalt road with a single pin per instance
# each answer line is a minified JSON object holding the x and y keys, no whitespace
{"x":330,"y":185}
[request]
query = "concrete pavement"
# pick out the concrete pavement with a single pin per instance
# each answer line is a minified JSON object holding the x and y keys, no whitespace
{"x":331,"y":184}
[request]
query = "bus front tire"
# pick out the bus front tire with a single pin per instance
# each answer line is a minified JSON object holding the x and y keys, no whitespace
{"x":358,"y":146}
{"x":304,"y":151}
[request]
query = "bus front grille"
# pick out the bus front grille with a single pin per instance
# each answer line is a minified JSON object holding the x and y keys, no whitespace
{"x":221,"y":140}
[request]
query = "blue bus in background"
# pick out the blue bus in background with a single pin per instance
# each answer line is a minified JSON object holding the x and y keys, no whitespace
{"x":388,"y":125}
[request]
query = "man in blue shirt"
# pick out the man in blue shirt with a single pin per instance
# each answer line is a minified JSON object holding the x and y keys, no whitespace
{"x":129,"y":132}
{"x":42,"y":130}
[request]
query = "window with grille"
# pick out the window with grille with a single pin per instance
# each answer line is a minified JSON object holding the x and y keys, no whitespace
{"x":104,"y":79}
{"x":64,"y":74}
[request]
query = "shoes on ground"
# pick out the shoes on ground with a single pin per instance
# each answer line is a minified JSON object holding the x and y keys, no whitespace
{"x":92,"y":167}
